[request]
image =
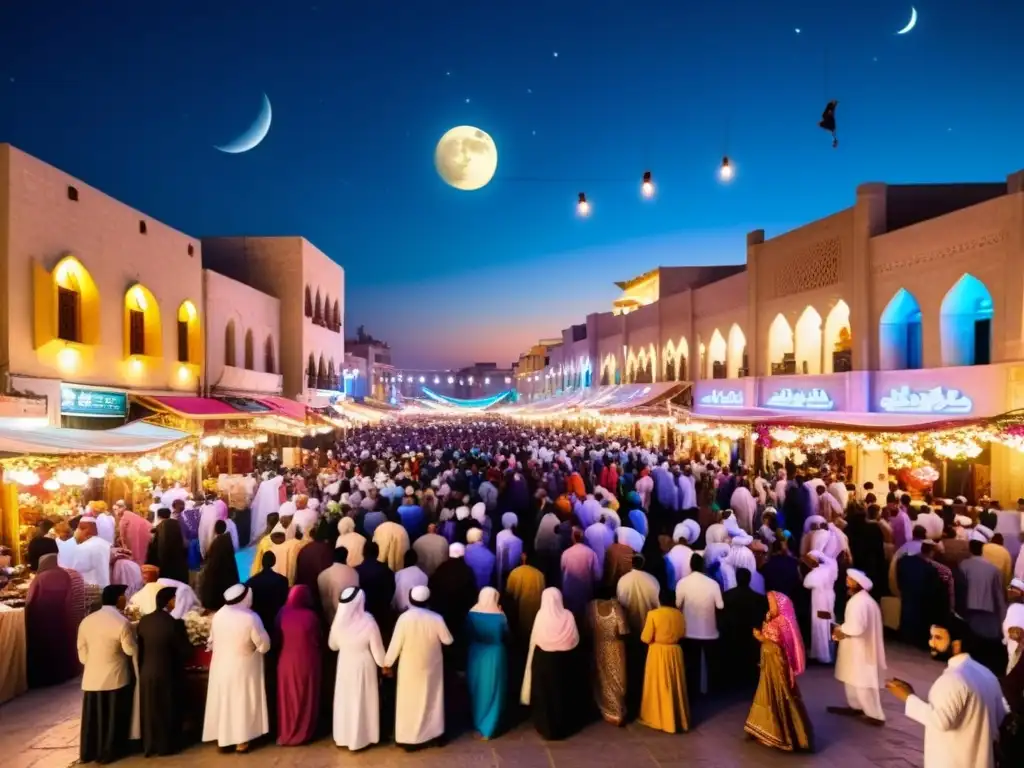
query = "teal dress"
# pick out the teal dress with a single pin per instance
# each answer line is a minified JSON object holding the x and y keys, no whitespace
{"x":487,"y":670}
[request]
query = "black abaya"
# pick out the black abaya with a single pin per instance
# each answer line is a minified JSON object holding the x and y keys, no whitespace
{"x":220,"y":572}
{"x":164,"y":649}
{"x":554,"y":693}
{"x":167,"y":551}
{"x":106,"y":723}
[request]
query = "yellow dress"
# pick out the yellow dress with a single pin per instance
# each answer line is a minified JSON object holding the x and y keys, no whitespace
{"x":665,"y":705}
{"x":262,"y":547}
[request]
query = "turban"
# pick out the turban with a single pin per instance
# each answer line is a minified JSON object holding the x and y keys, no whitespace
{"x":456,"y":550}
{"x":563,"y":506}
{"x":479,"y":512}
{"x":461,"y":513}
{"x":509,"y":519}
{"x":688,"y":529}
{"x":150,"y":573}
{"x":419,"y":594}
{"x":287,"y":509}
{"x":861,"y":578}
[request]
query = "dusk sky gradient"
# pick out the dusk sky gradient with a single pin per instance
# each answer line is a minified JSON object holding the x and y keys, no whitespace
{"x":132,"y":96}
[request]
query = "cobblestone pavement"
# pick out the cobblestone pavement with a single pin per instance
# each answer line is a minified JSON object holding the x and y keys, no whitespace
{"x":40,"y":730}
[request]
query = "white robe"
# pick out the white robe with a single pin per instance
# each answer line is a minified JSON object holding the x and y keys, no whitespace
{"x":105,"y":527}
{"x":267,"y":500}
{"x":860,"y":660}
{"x":145,"y":598}
{"x":236,"y":699}
{"x":305,"y":520}
{"x":687,"y":492}
{"x":92,"y":561}
{"x":744,"y":507}
{"x":419,"y":711}
{"x":821,"y":581}
{"x":356,"y":698}
{"x":961,"y":716}
{"x":208,"y":518}
{"x":679,"y":564}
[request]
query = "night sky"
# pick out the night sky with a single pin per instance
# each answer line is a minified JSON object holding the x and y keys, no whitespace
{"x":132,"y":96}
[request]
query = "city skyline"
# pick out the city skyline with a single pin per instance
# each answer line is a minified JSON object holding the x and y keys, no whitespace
{"x":361,"y":96}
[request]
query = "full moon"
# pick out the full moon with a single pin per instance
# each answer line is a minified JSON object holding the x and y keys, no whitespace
{"x":466,"y":158}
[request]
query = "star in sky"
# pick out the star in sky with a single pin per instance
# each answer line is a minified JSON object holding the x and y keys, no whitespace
{"x":556,"y":54}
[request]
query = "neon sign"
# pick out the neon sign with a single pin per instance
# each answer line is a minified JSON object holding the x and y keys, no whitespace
{"x":723,"y":398}
{"x":816,"y":399}
{"x":936,"y":400}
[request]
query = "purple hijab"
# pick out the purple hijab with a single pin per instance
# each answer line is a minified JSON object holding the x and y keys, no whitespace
{"x":299,"y":644}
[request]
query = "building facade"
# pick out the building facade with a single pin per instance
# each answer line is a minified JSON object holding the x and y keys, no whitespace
{"x":310,"y":288}
{"x":243,"y":338}
{"x":910,"y":301}
{"x":98,"y":299}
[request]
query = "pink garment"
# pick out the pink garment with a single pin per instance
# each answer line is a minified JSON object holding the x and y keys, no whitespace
{"x":554,"y":629}
{"x":135,"y":535}
{"x":299,"y":645}
{"x":783,"y":630}
{"x":124,"y":570}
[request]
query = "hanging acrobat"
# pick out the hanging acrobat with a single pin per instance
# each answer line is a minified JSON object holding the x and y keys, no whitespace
{"x":828,"y":121}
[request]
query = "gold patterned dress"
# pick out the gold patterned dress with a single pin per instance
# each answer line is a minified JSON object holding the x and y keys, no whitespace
{"x":608,"y":627}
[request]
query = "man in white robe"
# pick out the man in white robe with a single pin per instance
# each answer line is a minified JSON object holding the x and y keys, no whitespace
{"x":106,"y":526}
{"x":267,"y":500}
{"x":860,"y":660}
{"x":687,"y":489}
{"x":92,"y":556}
{"x":837,"y":489}
{"x":964,"y":709}
{"x":821,"y":581}
{"x":741,"y":556}
{"x":678,"y":558}
{"x":417,"y":640}
{"x":236,"y":699}
{"x":780,"y":489}
{"x":744,"y":507}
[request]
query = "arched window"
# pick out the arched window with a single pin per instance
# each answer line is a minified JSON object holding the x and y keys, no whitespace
{"x":808,"y":342}
{"x":69,"y":306}
{"x":781,"y":360}
{"x":311,"y":371}
{"x":229,"y":343}
{"x":838,"y":341}
{"x":321,"y":374}
{"x":309,"y":303}
{"x":717,"y":351}
{"x":189,"y":339}
{"x":966,"y":323}
{"x":250,"y":356}
{"x":143,"y":333}
{"x":268,"y":355}
{"x":736,"y":353}
{"x":337,"y":316}
{"x":332,"y":379}
{"x":683,"y":360}
{"x":318,"y":310}
{"x":899,"y":333}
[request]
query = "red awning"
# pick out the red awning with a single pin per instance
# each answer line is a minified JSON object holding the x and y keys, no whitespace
{"x":282,"y":406}
{"x":194,"y":407}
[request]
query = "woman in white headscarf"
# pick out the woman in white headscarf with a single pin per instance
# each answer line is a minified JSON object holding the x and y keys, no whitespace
{"x":553,"y":680}
{"x":350,"y":540}
{"x":355,"y":635}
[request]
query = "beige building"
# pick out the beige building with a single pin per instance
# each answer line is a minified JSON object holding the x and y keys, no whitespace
{"x":311,"y":290}
{"x":910,"y":301}
{"x":98,"y":299}
{"x":243,"y":338}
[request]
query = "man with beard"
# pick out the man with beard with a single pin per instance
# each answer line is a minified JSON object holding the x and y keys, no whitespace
{"x":964,"y":708}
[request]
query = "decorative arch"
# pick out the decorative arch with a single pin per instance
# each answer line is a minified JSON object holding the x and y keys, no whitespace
{"x":702,"y":359}
{"x":643,"y":370}
{"x":838,"y":340}
{"x":321,"y":373}
{"x":900,"y":333}
{"x":965,"y":323}
{"x":230,"y":350}
{"x":309,"y":303}
{"x":67,"y":304}
{"x":336,"y":316}
{"x":780,"y":345}
{"x":736,"y":352}
{"x":682,"y":360}
{"x":632,"y":363}
{"x":269,"y":362}
{"x":807,"y":342}
{"x":332,"y":376}
{"x":190,"y":337}
{"x":318,"y":309}
{"x":142,"y":330}
{"x":608,"y":370}
{"x":716,"y":356}
{"x":311,"y":371}
{"x":250,"y":351}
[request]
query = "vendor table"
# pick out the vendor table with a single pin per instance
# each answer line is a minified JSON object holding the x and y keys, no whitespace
{"x":13,"y":654}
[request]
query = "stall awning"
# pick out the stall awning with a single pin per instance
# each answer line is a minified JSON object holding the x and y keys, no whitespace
{"x":197,"y":408}
{"x":610,"y":399}
{"x":282,"y":406}
{"x":137,"y":437}
{"x":868,"y":422}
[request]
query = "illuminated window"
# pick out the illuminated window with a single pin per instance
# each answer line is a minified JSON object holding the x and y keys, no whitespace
{"x":249,"y":352}
{"x":268,"y":355}
{"x":183,"y":341}
{"x":229,"y":343}
{"x":68,"y":302}
{"x":136,"y":332}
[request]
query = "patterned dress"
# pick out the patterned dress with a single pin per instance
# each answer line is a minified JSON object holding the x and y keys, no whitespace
{"x":608,"y":627}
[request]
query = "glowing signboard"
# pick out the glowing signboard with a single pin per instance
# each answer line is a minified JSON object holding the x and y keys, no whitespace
{"x":816,"y":399}
{"x":936,"y":400}
{"x":723,"y":398}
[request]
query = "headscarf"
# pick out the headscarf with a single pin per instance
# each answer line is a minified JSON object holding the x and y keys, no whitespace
{"x":461,"y":513}
{"x":479,"y":512}
{"x":554,"y":630}
{"x":346,"y":525}
{"x":782,"y":629}
{"x":488,"y":601}
{"x":631,"y":538}
{"x":352,"y":616}
{"x":508,"y":520}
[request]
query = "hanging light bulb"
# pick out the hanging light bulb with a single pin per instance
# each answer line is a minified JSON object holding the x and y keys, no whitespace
{"x":647,"y":187}
{"x":726,"y":171}
{"x":582,"y":206}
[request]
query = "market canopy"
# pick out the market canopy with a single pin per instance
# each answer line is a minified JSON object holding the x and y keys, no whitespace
{"x":137,"y":437}
{"x":612,"y":399}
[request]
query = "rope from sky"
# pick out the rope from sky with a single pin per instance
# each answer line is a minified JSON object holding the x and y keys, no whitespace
{"x":479,"y":403}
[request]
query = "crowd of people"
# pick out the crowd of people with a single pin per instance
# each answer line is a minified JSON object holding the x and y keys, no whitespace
{"x":425,"y":577}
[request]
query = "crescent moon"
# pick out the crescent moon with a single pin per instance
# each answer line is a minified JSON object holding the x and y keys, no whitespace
{"x":252,"y":137}
{"x":910,"y":24}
